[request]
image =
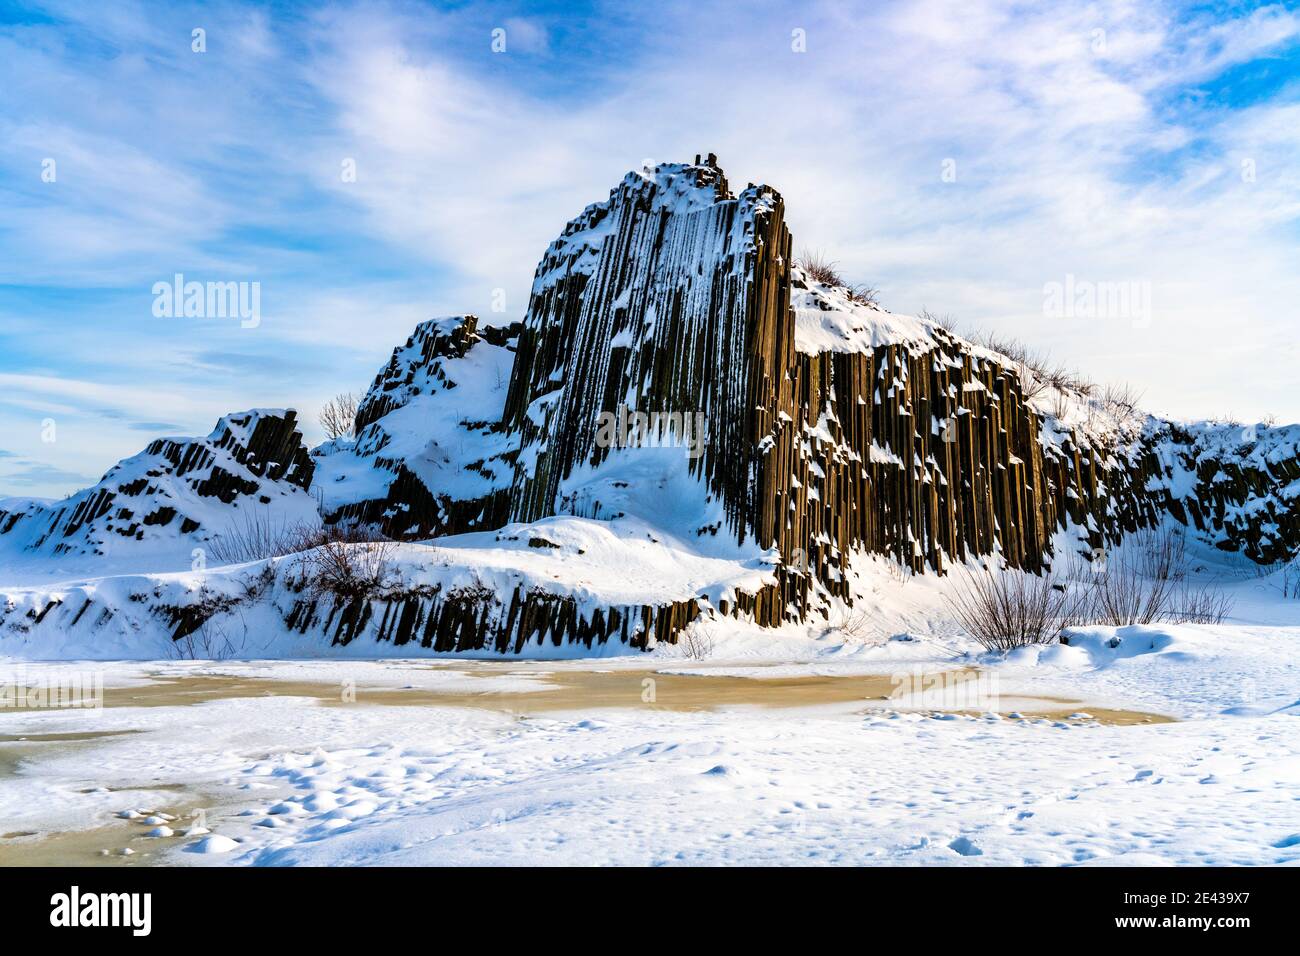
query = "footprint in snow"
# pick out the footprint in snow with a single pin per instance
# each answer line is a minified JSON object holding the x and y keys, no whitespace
{"x":1287,"y":841}
{"x":965,"y":847}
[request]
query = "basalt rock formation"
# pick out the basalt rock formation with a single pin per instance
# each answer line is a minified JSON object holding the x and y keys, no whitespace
{"x":1237,"y":487}
{"x":833,"y":426}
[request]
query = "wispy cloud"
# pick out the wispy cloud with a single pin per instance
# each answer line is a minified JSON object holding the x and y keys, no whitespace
{"x":36,"y":475}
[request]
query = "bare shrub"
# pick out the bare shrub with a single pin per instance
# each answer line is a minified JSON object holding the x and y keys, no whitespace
{"x":819,"y":268}
{"x":1147,"y":582}
{"x":1161,"y":553}
{"x":258,"y":535}
{"x":1037,"y":371}
{"x":1121,"y":401}
{"x":1291,"y":578}
{"x":944,"y":321}
{"x":1060,"y":404}
{"x":338,"y":416}
{"x":347,"y":569}
{"x":1205,"y":604}
{"x":864,"y":294}
{"x":1014,"y":349}
{"x":697,"y":641}
{"x":826,"y":271}
{"x":1122,"y":595}
{"x":855,"y":625}
{"x":211,"y":641}
{"x":1004,"y":610}
{"x":1031,"y":384}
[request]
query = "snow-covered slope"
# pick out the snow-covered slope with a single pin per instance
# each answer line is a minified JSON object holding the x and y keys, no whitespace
{"x":560,"y":586}
{"x":152,"y":511}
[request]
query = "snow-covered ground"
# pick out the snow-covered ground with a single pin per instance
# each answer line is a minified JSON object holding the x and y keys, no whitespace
{"x":634,"y":779}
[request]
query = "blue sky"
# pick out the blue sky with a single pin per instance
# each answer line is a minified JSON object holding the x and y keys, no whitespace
{"x":1104,"y":141}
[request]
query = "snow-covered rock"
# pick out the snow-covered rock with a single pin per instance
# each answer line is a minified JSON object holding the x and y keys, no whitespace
{"x":427,"y":458}
{"x":159,"y":510}
{"x":539,"y":587}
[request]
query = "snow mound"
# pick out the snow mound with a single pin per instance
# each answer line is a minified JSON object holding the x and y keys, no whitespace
{"x":556,"y":586}
{"x":828,"y":319}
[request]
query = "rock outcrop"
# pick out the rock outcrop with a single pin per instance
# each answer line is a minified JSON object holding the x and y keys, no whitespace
{"x":174,"y":496}
{"x":429,"y":453}
{"x":831,"y":426}
{"x":1237,"y":486}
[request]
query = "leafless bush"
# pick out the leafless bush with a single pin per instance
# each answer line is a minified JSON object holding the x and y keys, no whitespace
{"x":1014,"y":349}
{"x":211,"y":641}
{"x":1004,"y":610}
{"x":826,"y":271}
{"x":1037,"y":371}
{"x":1147,"y":582}
{"x":1204,"y":604}
{"x":258,"y":535}
{"x":856,"y":625}
{"x":1060,"y":404}
{"x":1031,"y":384}
{"x":697,"y":641}
{"x":1291,"y":579}
{"x":1160,"y":553}
{"x":819,"y":268}
{"x":944,"y":321}
{"x":1122,"y":595}
{"x":864,"y":294}
{"x":339,"y":415}
{"x":1121,"y":401}
{"x":347,"y":569}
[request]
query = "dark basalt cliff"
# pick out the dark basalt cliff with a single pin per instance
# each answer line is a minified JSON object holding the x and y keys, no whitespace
{"x":676,"y":297}
{"x":659,"y":300}
{"x":832,"y":426}
{"x":1237,"y":487}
